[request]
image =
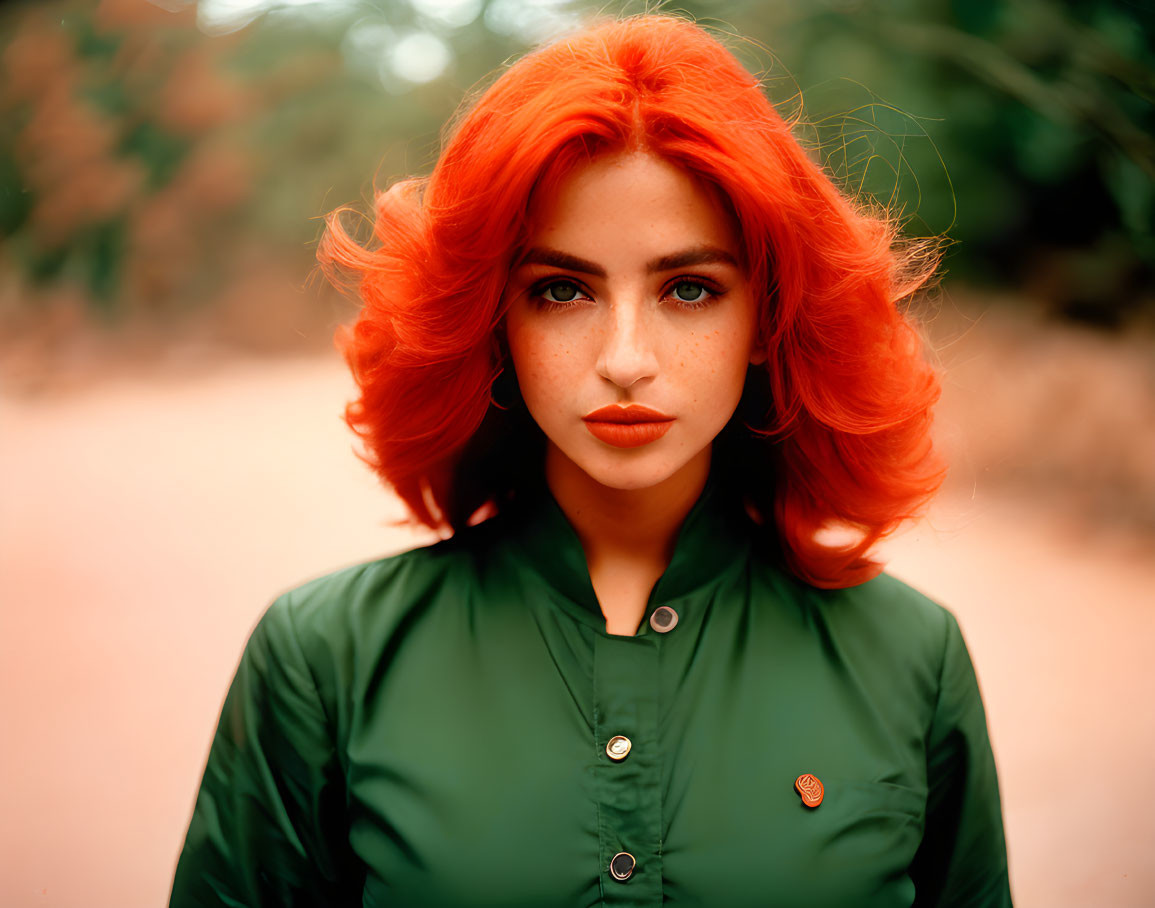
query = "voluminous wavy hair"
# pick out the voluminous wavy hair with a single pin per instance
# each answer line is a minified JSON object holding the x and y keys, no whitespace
{"x":833,"y":430}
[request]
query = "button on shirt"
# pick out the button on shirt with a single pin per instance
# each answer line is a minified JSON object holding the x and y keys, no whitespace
{"x":434,"y":729}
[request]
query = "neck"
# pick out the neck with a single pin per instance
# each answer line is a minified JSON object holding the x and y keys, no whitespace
{"x":625,"y":523}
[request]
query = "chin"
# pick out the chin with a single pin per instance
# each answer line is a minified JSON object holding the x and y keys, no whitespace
{"x":628,"y":484}
{"x":630,"y":474}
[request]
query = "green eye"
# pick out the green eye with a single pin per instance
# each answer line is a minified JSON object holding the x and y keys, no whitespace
{"x":689,"y":292}
{"x":561,"y":292}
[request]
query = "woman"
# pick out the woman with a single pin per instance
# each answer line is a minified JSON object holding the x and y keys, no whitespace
{"x":630,"y":347}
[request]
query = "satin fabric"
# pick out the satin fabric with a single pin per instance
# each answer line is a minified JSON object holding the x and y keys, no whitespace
{"x":430,"y":729}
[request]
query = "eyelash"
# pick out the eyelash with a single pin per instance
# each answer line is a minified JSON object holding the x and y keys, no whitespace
{"x":713,"y":292}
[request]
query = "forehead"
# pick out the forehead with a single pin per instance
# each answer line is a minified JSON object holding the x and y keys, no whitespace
{"x":637,"y":197}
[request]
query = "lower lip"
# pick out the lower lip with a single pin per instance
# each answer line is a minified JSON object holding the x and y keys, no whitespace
{"x":628,"y":434}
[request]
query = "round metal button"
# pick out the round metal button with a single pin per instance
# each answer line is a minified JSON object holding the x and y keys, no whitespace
{"x":622,"y":865}
{"x":618,"y":747}
{"x":664,"y":619}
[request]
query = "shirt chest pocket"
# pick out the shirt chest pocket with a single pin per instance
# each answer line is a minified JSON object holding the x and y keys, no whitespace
{"x":855,"y":845}
{"x":769,"y":849}
{"x":855,"y":815}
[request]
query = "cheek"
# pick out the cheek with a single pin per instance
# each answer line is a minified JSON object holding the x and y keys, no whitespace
{"x":542,"y":362}
{"x":713,"y":365}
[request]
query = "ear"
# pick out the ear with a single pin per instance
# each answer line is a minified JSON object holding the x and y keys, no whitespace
{"x":757,"y":355}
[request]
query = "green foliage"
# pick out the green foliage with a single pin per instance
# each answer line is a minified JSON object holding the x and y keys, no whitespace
{"x":158,"y":149}
{"x":1029,"y":136}
{"x":15,"y":202}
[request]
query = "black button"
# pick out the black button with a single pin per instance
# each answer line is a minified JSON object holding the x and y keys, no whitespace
{"x":663,"y":619}
{"x":622,"y":865}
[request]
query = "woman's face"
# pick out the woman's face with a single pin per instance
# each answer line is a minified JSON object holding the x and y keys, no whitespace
{"x":630,"y":321}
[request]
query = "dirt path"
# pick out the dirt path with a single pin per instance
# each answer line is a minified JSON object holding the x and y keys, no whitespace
{"x":145,"y":524}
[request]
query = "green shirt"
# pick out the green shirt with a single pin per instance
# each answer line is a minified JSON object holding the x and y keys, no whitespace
{"x":432,"y":729}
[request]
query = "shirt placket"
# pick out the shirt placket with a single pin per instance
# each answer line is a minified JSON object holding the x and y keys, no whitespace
{"x":628,"y":769}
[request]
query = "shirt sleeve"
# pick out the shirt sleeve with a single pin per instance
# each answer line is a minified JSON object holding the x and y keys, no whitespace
{"x":963,"y":857}
{"x":269,"y":825}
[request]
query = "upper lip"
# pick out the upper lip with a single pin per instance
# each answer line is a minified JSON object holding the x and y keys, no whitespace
{"x":632,"y":413}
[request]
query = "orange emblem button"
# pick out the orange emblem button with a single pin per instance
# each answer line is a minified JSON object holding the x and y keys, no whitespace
{"x":809,"y":788}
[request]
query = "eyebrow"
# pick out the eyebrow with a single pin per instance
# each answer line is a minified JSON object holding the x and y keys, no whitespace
{"x":697,"y":255}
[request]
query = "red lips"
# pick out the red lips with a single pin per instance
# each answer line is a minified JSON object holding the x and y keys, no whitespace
{"x":628,"y":427}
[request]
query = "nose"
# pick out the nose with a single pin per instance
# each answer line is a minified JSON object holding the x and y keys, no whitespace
{"x":627,"y":354}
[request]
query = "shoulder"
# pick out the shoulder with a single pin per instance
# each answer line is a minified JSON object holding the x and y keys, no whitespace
{"x":331,"y":635}
{"x":888,"y":608}
{"x":383,"y":588}
{"x":882,"y":609}
{"x":886,"y":633}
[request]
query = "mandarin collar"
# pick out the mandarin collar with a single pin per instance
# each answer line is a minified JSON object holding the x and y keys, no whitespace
{"x":713,"y":536}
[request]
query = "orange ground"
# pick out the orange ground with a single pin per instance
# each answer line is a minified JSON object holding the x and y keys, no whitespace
{"x":145,"y":524}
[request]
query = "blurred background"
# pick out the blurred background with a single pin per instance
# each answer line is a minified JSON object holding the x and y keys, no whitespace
{"x":171,"y":452}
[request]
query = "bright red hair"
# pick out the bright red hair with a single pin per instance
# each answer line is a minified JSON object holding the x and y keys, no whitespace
{"x":839,"y":431}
